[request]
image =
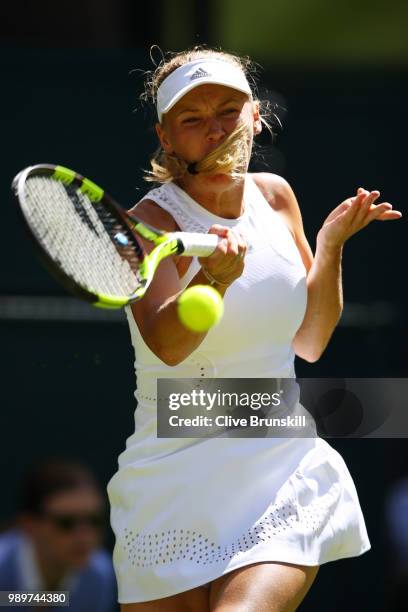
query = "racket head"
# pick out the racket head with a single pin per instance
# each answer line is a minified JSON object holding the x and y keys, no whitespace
{"x":83,"y":237}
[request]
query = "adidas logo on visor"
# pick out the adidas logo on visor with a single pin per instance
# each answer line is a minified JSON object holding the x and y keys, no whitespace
{"x":200,"y":72}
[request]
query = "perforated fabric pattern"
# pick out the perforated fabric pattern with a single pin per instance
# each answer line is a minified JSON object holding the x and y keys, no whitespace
{"x":145,"y":550}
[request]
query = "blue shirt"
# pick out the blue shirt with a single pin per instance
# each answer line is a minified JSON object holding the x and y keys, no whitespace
{"x":92,"y":587}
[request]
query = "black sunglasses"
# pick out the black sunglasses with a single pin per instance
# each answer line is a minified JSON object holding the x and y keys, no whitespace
{"x":68,"y":522}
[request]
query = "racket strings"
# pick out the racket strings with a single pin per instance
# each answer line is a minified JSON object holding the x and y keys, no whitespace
{"x":88,"y":242}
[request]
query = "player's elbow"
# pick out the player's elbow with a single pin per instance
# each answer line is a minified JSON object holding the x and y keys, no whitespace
{"x":308,"y":351}
{"x":170,"y":360}
{"x":169,"y":356}
{"x":310,"y":357}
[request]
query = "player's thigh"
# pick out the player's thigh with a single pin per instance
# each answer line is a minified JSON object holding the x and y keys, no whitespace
{"x":262,"y":587}
{"x":194,"y":600}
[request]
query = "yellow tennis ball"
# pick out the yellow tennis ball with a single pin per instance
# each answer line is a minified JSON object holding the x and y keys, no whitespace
{"x":200,"y":307}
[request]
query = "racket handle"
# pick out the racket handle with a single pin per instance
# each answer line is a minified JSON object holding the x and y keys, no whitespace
{"x":197,"y":245}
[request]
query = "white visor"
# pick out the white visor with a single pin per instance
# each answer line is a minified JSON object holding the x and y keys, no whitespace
{"x":196,"y":73}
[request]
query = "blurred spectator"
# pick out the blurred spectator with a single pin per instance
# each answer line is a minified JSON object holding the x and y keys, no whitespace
{"x":55,"y":543}
{"x":397,"y":524}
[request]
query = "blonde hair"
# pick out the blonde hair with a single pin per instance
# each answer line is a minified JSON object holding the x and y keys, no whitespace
{"x":232,"y":156}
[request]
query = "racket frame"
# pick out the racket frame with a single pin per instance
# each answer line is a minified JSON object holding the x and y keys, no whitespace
{"x":165,"y":244}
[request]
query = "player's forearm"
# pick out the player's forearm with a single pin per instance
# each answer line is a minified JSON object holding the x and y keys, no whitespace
{"x":167,"y":337}
{"x":324,"y":303}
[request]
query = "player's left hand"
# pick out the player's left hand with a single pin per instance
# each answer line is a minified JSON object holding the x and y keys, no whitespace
{"x":352,"y":215}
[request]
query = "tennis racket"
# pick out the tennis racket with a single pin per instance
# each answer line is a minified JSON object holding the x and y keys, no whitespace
{"x":90,"y":243}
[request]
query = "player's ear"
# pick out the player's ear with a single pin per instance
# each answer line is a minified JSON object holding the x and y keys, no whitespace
{"x":162,"y":136}
{"x":257,"y":118}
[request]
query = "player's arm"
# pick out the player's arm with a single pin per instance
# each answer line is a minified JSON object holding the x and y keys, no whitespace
{"x":156,"y":314}
{"x":324,"y":285}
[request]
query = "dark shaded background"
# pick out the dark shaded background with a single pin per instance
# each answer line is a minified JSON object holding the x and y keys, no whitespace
{"x":70,"y":96}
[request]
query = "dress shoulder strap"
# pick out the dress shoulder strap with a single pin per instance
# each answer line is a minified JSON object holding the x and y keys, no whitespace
{"x":174,"y":201}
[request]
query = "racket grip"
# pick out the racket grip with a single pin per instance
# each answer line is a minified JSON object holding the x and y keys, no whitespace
{"x":197,"y":245}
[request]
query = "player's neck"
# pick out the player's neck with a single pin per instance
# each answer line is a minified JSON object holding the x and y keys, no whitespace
{"x":218,"y":195}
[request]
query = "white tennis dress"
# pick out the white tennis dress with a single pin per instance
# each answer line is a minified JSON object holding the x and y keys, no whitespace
{"x":186,"y":511}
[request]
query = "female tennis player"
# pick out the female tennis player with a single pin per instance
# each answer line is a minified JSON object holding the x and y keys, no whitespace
{"x":230,"y":523}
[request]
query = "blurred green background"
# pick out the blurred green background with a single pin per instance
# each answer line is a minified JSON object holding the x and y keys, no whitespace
{"x":71,"y":76}
{"x":320,"y":32}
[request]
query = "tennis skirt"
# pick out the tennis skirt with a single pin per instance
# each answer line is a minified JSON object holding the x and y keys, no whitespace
{"x":187,"y":517}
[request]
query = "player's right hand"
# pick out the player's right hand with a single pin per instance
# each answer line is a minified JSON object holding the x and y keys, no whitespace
{"x":227,"y":263}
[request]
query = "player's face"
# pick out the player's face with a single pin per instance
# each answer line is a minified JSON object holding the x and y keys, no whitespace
{"x":203,"y":118}
{"x":66,"y":532}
